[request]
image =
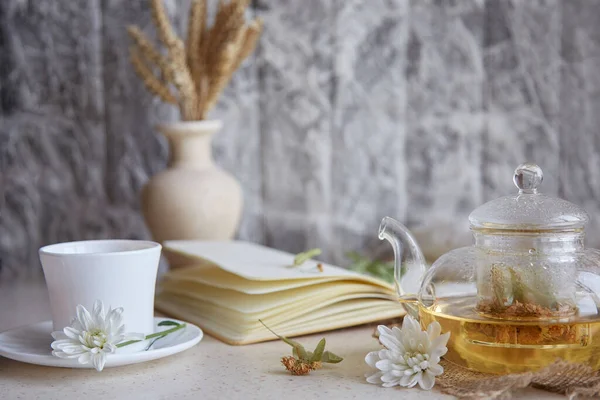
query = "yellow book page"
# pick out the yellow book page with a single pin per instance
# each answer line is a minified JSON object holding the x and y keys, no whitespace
{"x":259,"y":263}
{"x":286,"y":312}
{"x":219,"y":278}
{"x":249,"y":303}
{"x":234,"y":333}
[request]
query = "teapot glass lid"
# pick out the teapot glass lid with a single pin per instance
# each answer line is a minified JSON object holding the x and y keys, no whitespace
{"x":528,"y":210}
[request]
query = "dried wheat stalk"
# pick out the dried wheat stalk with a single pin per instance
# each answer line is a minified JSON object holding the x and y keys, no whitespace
{"x":194,"y":74}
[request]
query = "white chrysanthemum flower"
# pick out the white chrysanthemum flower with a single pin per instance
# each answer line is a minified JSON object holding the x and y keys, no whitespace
{"x":410,"y":356}
{"x":92,"y":336}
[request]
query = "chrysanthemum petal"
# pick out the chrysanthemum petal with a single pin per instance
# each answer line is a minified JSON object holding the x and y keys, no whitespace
{"x":391,"y":384}
{"x":375,"y":378}
{"x":389,"y":341}
{"x":383,"y":365}
{"x":441,"y":340}
{"x":84,"y":318}
{"x":389,"y":377}
{"x":410,"y":324}
{"x":423,"y":339}
{"x":434,"y":330}
{"x":385,"y":354}
{"x":71,"y":348}
{"x":426,"y":381}
{"x":438,"y":347}
{"x":415,"y":379}
{"x":58,"y":335}
{"x":98,"y":360}
{"x":58,"y":353}
{"x":57,"y":344}
{"x":384,"y":330}
{"x":116,"y":339}
{"x":406,"y":379}
{"x":412,"y":345}
{"x":110,"y":348}
{"x":76,"y":325}
{"x":435,"y":369}
{"x":84,"y":358}
{"x":116,"y":317}
{"x":62,"y":354}
{"x":372,"y":358}
{"x":437,"y":353}
{"x":71,"y":333}
{"x":98,"y":312}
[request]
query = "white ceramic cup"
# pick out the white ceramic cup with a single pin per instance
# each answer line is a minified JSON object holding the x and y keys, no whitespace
{"x":120,"y":273}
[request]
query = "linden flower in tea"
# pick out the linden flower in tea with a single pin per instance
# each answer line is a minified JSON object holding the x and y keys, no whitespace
{"x":410,"y":356}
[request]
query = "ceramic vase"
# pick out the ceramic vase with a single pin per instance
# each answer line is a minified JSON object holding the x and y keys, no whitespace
{"x":192,"y":198}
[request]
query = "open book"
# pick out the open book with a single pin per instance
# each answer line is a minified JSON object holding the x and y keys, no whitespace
{"x":226,"y":287}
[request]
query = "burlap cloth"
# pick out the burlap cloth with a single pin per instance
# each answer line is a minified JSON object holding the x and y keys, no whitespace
{"x":576,"y":381}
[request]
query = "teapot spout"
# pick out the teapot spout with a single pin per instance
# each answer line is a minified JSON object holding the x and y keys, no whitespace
{"x":409,"y":262}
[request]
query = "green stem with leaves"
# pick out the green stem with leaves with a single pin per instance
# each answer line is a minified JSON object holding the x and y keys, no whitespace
{"x":158,"y":335}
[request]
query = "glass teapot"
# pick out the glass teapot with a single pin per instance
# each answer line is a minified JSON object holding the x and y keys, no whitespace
{"x":525,"y":294}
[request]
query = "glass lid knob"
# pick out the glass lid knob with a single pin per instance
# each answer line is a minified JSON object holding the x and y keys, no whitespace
{"x":528,"y":177}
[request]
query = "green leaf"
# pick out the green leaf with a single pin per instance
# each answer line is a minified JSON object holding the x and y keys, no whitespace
{"x":375,"y":268}
{"x":160,"y":334}
{"x":301,"y":258}
{"x":302,"y":354}
{"x":168,"y":323}
{"x":308,"y":354}
{"x":329,"y":357}
{"x":318,"y":354}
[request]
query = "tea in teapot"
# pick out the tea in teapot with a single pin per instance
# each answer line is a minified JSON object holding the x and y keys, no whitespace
{"x":525,"y":294}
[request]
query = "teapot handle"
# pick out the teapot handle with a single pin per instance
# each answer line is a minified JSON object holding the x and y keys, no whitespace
{"x":409,"y":263}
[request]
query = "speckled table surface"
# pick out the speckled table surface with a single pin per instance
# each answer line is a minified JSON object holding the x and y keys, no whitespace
{"x":210,"y":370}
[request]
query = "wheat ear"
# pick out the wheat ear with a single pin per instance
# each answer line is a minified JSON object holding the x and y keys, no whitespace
{"x":200,"y":69}
{"x":165,"y":31}
{"x":195,"y":33}
{"x":152,"y":83}
{"x":250,"y":40}
{"x":222,"y":76}
{"x":226,"y":40}
{"x":188,"y":101}
{"x":196,"y":39}
{"x":147,"y":51}
{"x":228,"y":21}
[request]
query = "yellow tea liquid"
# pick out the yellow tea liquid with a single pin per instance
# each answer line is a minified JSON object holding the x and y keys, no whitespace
{"x":500,"y":346}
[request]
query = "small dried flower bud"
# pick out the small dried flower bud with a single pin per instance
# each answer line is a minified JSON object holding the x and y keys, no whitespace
{"x":302,"y":368}
{"x":288,"y":362}
{"x":299,"y":367}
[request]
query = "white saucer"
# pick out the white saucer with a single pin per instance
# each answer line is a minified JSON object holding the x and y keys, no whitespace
{"x":31,"y":344}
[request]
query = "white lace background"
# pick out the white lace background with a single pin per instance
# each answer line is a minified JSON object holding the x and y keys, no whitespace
{"x":350,"y":110}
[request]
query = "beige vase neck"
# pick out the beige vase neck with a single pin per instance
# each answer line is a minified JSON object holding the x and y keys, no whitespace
{"x":190,"y":143}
